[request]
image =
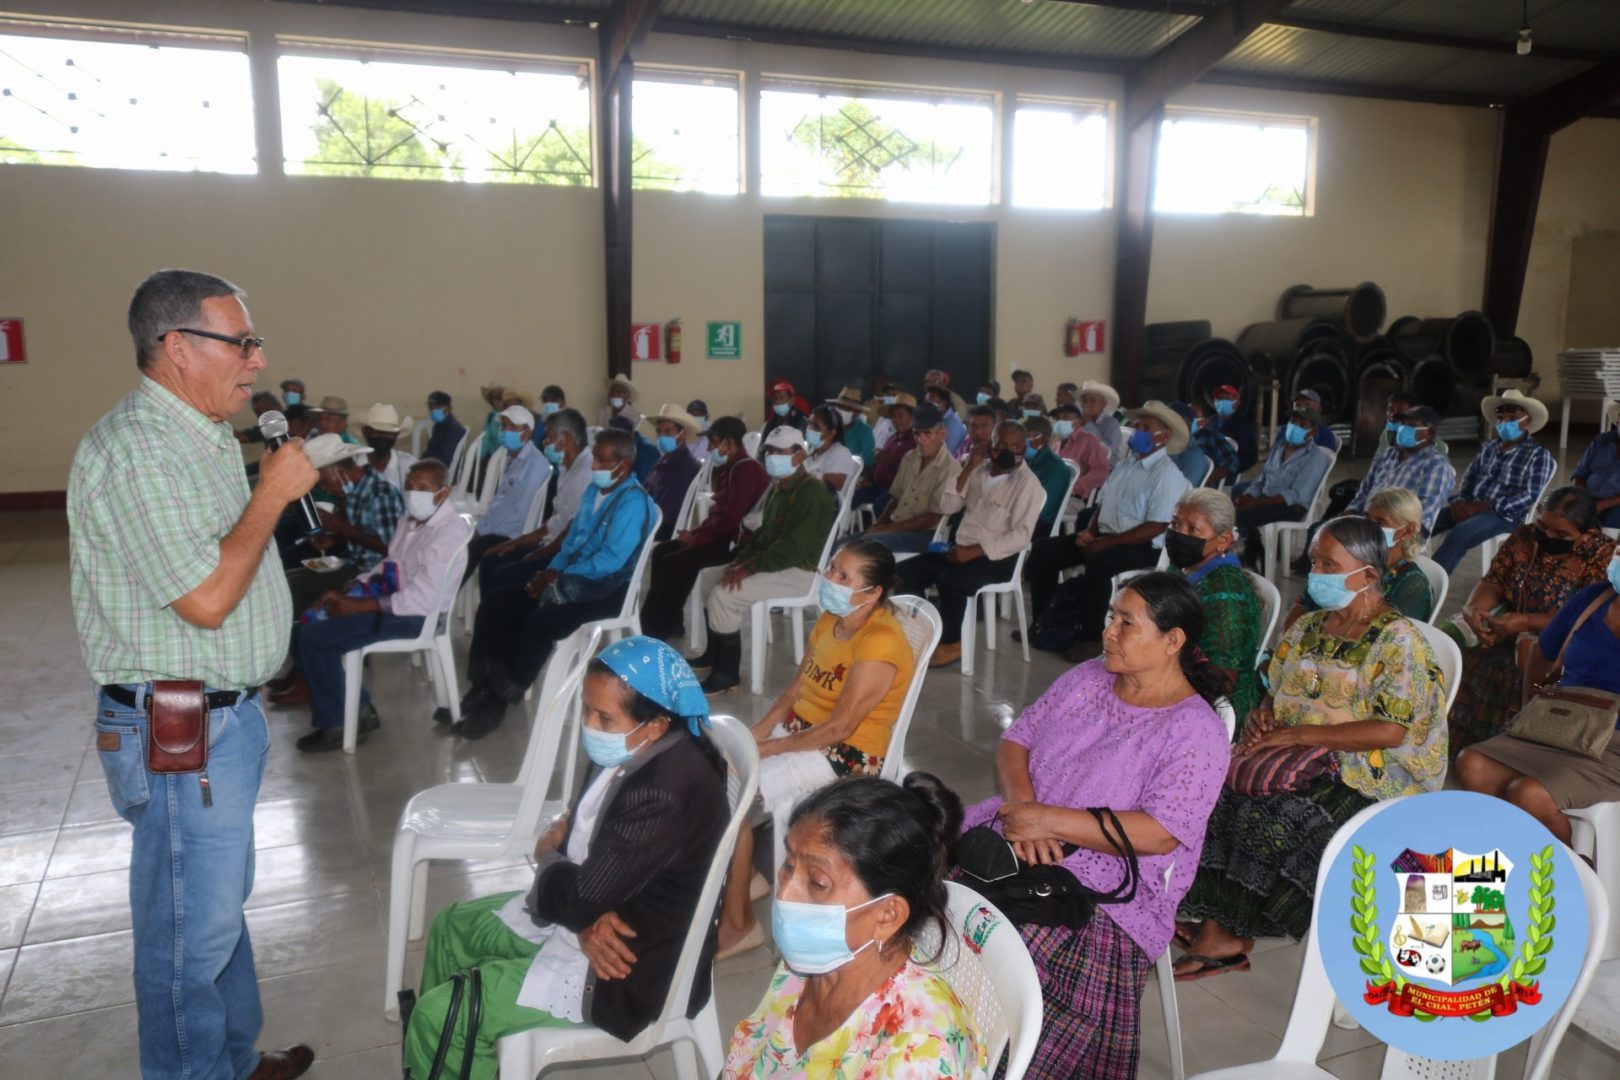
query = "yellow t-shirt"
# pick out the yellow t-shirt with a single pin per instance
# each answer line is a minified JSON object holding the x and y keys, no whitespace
{"x":826,"y":665}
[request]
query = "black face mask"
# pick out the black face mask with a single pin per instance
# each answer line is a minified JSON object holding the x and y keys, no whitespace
{"x":382,"y":443}
{"x":1184,"y":549}
{"x":1003,"y":460}
{"x":1554,"y":545}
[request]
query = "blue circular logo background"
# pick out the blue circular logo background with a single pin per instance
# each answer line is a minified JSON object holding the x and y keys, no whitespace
{"x":1470,"y":823}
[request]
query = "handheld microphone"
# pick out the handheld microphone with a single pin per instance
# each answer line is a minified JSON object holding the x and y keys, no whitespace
{"x":273,"y":426}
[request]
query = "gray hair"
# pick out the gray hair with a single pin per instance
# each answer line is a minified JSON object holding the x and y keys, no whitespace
{"x":170,"y":300}
{"x":619,"y":442}
{"x":1009,"y":424}
{"x":1216,"y":506}
{"x":437,"y":470}
{"x":1363,"y":539}
{"x":567,"y":422}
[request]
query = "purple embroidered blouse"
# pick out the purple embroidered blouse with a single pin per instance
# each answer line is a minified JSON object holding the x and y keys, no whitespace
{"x":1088,"y":748}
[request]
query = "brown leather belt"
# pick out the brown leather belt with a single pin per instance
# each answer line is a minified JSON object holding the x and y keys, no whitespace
{"x":217,"y":699}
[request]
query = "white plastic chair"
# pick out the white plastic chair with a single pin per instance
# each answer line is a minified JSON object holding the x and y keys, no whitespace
{"x":418,"y":436}
{"x":470,"y":593}
{"x":1011,"y":589}
{"x":1448,"y":655}
{"x":760,"y":611}
{"x":1071,"y":505}
{"x":1314,"y":999}
{"x":1595,"y":833}
{"x":923,"y":627}
{"x":1276,"y":534}
{"x":986,"y":964}
{"x":434,"y":640}
{"x":942,"y":532}
{"x":464,"y":463}
{"x":691,"y":1041}
{"x":475,"y":502}
{"x":1270,"y":604}
{"x":469,"y":821}
{"x":627,"y":623}
{"x":1439,"y":584}
{"x":751,"y":442}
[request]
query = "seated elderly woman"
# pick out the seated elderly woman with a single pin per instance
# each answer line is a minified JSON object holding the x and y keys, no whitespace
{"x":1539,"y":567}
{"x":1134,"y":730}
{"x":616,"y":881}
{"x":1357,"y":681}
{"x":860,"y":883}
{"x":1406,"y":587}
{"x":835,"y":719}
{"x":1199,"y":544}
{"x":1542,"y":780}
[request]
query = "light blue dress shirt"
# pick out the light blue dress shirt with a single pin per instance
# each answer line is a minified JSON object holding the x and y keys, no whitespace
{"x":1295,"y":478}
{"x":1139,"y":490}
{"x":525,"y":474}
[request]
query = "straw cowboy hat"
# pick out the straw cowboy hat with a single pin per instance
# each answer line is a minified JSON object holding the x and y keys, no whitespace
{"x":518,"y":397}
{"x":1110,"y":395}
{"x":631,"y":393}
{"x":324,"y":450}
{"x":1167,"y":416}
{"x":675,"y":415}
{"x":331,"y":403}
{"x":1537,"y":411}
{"x":848,"y":398}
{"x":902,"y":400}
{"x":384,"y":418}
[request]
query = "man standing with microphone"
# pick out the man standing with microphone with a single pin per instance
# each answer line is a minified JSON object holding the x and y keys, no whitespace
{"x":183,"y":612}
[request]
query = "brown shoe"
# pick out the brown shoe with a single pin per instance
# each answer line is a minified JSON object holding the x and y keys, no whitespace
{"x":946,"y":654}
{"x":284,"y":1064}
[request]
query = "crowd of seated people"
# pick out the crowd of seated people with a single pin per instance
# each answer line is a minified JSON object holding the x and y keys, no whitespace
{"x":1352,"y":689}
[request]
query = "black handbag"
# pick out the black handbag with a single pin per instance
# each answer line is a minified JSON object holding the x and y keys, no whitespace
{"x":469,"y":983}
{"x":1036,"y":894}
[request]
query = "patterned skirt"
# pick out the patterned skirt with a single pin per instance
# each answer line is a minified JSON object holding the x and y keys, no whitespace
{"x":1487,"y":696}
{"x":845,"y":759}
{"x":1091,"y":993}
{"x":1257,"y":874}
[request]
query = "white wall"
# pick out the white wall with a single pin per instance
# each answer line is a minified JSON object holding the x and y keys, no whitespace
{"x":377,"y":289}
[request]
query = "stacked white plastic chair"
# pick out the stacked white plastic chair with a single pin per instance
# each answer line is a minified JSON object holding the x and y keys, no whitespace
{"x":695,"y":1043}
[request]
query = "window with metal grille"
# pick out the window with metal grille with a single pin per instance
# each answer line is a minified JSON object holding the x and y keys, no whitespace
{"x":119,"y":97}
{"x":876,"y":143}
{"x":1234,"y":163}
{"x":400,"y":114}
{"x":685,"y":131}
{"x":1060,"y":154}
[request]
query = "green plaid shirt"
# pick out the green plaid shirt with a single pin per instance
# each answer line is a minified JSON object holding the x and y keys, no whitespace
{"x":155,"y":487}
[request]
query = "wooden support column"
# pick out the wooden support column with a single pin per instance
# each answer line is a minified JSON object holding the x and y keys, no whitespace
{"x":623,"y":29}
{"x":1521,"y":162}
{"x":1147,"y":89}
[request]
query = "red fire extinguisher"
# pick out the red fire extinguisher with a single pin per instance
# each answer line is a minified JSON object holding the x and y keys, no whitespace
{"x":1071,"y":338}
{"x":672,"y":341}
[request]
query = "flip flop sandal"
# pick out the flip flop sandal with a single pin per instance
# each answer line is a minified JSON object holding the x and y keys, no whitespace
{"x":1185,"y":933}
{"x":1213,"y":966}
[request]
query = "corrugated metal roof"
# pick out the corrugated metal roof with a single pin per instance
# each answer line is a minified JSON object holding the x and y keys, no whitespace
{"x":1067,"y":29}
{"x":1506,"y":77}
{"x":1586,"y":24}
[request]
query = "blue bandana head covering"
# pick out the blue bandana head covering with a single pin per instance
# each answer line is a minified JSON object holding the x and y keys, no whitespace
{"x":662,"y":676}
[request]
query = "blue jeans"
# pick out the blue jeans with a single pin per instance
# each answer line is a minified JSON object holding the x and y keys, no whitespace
{"x":320,"y":647}
{"x":901,"y":542}
{"x":191,"y":870}
{"x":1610,"y":518}
{"x":1463,"y":536}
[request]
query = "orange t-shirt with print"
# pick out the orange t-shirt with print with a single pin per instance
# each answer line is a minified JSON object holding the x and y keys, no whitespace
{"x":827,"y":662}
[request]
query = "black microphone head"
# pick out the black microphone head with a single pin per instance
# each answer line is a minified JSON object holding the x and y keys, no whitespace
{"x":272,"y":425}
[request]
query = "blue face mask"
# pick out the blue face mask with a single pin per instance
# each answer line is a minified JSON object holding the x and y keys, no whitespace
{"x":1391,"y":426}
{"x":717,"y":457}
{"x":1330,"y":591}
{"x":781,"y":408}
{"x":1197,"y":425}
{"x":1508,"y":430}
{"x":602,"y":478}
{"x":666,"y":444}
{"x":548,"y":407}
{"x":437,"y":415}
{"x":1141,"y":443}
{"x":294,"y":397}
{"x":1029,"y":453}
{"x":1389,"y":536}
{"x":1063,"y":428}
{"x":1294,"y":434}
{"x":779,"y":466}
{"x":1225,"y":407}
{"x":983,"y":398}
{"x":512,"y":440}
{"x":1614,"y":574}
{"x":553,"y":455}
{"x":1032,"y":412}
{"x":348,"y":487}
{"x":812,"y":937}
{"x":813,"y":437}
{"x":1406,"y":437}
{"x":837,"y":599}
{"x":606,"y":748}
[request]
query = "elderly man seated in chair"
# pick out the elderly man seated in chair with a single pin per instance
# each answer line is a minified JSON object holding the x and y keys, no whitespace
{"x":1499,"y":486}
{"x":564,"y":449}
{"x":391,"y":600}
{"x":913,"y":511}
{"x":776,"y":560}
{"x":1001,"y":499}
{"x":532,"y":605}
{"x":525,"y":473}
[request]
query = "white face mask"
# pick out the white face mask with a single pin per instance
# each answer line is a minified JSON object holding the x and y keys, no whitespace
{"x":420,"y":504}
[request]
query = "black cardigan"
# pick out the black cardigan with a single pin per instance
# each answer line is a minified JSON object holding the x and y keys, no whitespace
{"x":650,"y":852}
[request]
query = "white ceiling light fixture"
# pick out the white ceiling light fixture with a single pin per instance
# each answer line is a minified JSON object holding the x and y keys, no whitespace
{"x":1525,"y":44}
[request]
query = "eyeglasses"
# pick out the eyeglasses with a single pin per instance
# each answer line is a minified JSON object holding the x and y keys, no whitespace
{"x":245,"y":344}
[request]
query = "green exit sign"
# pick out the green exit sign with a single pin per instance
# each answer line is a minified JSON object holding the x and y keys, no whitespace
{"x":725,"y":341}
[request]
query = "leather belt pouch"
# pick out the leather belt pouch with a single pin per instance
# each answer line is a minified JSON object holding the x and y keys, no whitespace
{"x":176,"y":728}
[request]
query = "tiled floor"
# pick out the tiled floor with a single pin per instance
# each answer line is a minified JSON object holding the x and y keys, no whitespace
{"x":325,"y":831}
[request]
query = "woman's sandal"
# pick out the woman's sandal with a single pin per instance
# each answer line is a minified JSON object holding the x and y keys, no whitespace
{"x":1185,"y":934}
{"x":1212,"y":965}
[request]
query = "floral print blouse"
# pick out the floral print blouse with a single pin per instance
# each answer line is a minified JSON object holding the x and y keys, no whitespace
{"x":1388,"y":673}
{"x":910,"y":1028}
{"x":1535,"y":583}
